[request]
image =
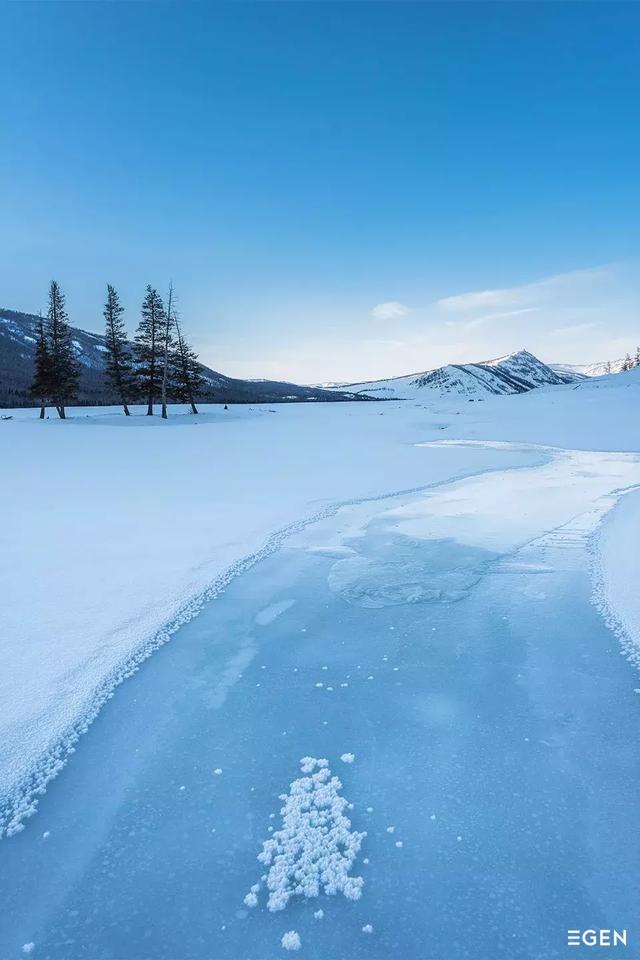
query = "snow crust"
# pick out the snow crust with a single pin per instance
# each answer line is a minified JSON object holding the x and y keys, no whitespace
{"x":617,"y":568}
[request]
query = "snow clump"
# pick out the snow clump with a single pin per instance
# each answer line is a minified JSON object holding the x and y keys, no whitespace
{"x":291,"y":940}
{"x":315,"y":849}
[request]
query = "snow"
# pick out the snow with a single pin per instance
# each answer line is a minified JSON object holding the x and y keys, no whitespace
{"x":618,"y":573}
{"x":99,"y":569}
{"x":316,"y":848}
{"x":121,"y":528}
{"x":597,"y":369}
{"x":291,"y":940}
{"x":510,"y":374}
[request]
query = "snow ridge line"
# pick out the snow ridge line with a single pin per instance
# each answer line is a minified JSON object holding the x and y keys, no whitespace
{"x":629,"y":645}
{"x":22,"y":800}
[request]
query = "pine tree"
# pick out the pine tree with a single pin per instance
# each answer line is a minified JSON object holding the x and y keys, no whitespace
{"x":41,"y":386}
{"x":626,"y":363}
{"x":187,"y":372}
{"x":636,"y":359}
{"x":167,"y":342}
{"x":118,"y":359}
{"x":65,"y":369}
{"x":148,"y":347}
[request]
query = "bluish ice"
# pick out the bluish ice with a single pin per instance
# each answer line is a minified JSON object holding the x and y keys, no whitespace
{"x":493,"y":725}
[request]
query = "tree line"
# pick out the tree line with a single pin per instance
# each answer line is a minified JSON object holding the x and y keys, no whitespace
{"x":629,"y":363}
{"x":159,"y":366}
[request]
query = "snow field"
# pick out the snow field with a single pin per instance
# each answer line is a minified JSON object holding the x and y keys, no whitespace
{"x":100,"y":567}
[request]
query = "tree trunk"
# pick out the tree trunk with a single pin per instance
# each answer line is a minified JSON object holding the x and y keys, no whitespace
{"x":165,"y":365}
{"x":150,"y":407}
{"x":121,"y":391}
{"x":61,"y":412}
{"x":42,"y":411}
{"x":193,"y":407}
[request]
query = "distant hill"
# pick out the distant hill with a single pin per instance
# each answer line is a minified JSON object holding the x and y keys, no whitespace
{"x":18,"y":338}
{"x":515,"y":373}
{"x":598,"y":369}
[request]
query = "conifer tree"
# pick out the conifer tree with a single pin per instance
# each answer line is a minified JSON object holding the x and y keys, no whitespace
{"x":636,"y":359}
{"x":118,"y":359}
{"x":187,"y":372}
{"x":148,"y":348}
{"x":41,"y":385}
{"x":167,"y":341}
{"x":64,"y":367}
{"x":626,"y":363}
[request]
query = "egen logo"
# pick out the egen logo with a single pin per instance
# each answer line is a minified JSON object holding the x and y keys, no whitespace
{"x":596,"y":938}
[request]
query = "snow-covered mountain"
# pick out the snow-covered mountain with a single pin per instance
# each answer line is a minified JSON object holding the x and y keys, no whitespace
{"x":18,"y":337}
{"x":515,"y":373}
{"x":599,"y":369}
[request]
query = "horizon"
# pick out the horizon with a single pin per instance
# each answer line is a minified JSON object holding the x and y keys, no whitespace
{"x":340,"y":193}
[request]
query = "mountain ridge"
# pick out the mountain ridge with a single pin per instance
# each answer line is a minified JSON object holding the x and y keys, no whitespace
{"x":514,"y":373}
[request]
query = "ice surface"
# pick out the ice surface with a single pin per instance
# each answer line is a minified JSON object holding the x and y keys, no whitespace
{"x":390,"y":570}
{"x":488,"y":724}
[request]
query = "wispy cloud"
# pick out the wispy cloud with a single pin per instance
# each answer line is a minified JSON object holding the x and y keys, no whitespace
{"x":390,"y":310}
{"x":574,"y":328}
{"x":557,"y":288}
{"x":488,"y":318}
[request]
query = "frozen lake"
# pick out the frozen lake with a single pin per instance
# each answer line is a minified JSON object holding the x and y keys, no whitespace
{"x":494,"y":727}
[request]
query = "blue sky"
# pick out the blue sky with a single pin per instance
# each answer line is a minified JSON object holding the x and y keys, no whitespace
{"x":337,"y":190}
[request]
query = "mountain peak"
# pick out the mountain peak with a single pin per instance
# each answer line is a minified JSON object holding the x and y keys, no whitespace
{"x":516,"y":372}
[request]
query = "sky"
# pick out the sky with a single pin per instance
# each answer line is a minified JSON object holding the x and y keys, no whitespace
{"x":338,"y":191}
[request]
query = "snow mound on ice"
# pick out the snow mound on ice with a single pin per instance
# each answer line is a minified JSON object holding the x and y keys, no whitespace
{"x":291,"y":940}
{"x":315,"y":849}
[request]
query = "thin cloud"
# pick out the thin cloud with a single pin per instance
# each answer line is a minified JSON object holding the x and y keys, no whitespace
{"x":574,"y":328}
{"x":488,"y":318}
{"x":558,"y":287}
{"x":390,"y":310}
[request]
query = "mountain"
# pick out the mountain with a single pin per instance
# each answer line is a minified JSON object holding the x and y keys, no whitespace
{"x":515,"y":373}
{"x":18,"y":337}
{"x":589,"y":369}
